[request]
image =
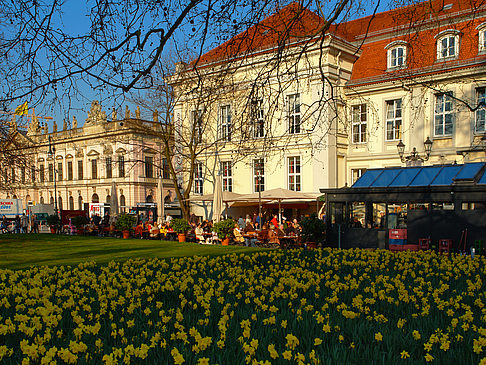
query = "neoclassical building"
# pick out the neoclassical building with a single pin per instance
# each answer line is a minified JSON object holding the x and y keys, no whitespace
{"x":297,"y":108}
{"x":81,"y":163}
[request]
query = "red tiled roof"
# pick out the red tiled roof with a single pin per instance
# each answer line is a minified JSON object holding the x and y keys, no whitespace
{"x":289,"y":24}
{"x":419,"y":24}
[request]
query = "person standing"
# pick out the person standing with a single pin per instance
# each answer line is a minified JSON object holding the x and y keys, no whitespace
{"x":17,"y":224}
{"x":24,"y":223}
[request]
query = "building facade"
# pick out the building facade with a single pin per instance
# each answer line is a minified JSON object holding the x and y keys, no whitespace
{"x":80,"y":164}
{"x":330,"y":106}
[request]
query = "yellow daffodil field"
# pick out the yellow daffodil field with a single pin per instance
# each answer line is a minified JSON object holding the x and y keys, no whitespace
{"x":274,"y":307}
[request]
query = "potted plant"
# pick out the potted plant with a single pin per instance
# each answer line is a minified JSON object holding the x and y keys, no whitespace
{"x":125,"y":223}
{"x":224,"y":229}
{"x":313,"y":229}
{"x":180,"y":226}
{"x":54,"y":222}
{"x":79,"y":222}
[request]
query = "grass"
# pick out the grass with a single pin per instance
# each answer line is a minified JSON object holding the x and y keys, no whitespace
{"x":18,"y":251}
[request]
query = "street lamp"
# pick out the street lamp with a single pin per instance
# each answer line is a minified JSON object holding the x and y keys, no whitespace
{"x":414,"y":159}
{"x":52,"y":153}
{"x":259,"y":184}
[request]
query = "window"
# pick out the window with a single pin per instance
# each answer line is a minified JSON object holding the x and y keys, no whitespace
{"x":165,"y":169}
{"x":358,"y":117}
{"x":227,"y":176}
{"x":80,"y":170}
{"x":149,"y":166}
{"x":479,"y":126}
{"x":294,"y":173}
{"x":51,"y":172}
{"x":71,"y":202}
{"x":121,"y":166}
{"x":257,"y":122}
{"x":396,"y":54}
{"x":198,"y":178}
{"x":41,"y":173}
{"x":94,"y":169}
{"x":22,"y":175}
{"x":482,"y":39}
{"x":294,"y":113}
{"x":12,"y":175}
{"x":109,"y":169}
{"x":197,"y":121}
{"x":225,"y":120}
{"x":393,"y":119}
{"x":259,"y":175}
{"x":59,"y":171}
{"x":443,"y":115}
{"x":80,"y":202}
{"x":356,"y":174}
{"x":69,"y":170}
{"x":447,"y":44}
{"x":32,"y":174}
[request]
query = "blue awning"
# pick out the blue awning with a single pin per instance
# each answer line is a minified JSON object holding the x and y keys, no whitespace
{"x":439,"y":175}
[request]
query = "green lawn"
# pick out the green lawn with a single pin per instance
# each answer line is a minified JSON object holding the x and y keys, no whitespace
{"x":19,"y":251}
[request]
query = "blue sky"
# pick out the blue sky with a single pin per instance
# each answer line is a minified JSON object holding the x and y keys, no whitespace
{"x":75,"y":20}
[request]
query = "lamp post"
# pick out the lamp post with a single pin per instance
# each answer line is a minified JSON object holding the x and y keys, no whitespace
{"x":259,"y":184}
{"x":414,"y":159}
{"x":52,"y":153}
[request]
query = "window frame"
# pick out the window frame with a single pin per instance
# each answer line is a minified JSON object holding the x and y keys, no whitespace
{"x":395,"y":46}
{"x":69,"y":168}
{"x":80,"y":169}
{"x":440,"y":48}
{"x":109,"y":167}
{"x":94,"y":168}
{"x":359,"y":123}
{"x":149,"y":167}
{"x":227,"y":175}
{"x":198,"y":187}
{"x":359,"y":172}
{"x":296,"y":175}
{"x":294,"y":112}
{"x":197,"y":125}
{"x":121,"y":166}
{"x":258,"y":165}
{"x":225,"y":122}
{"x":481,"y":110}
{"x":444,"y":114}
{"x":396,"y":122}
{"x":257,"y":118}
{"x":59,"y":171}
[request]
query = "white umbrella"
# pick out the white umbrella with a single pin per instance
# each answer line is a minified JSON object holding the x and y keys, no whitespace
{"x":160,"y":201}
{"x":217,"y":199}
{"x":278,"y":194}
{"x":114,"y":208}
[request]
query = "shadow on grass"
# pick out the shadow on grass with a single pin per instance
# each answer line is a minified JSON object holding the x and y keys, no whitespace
{"x":19,"y":251}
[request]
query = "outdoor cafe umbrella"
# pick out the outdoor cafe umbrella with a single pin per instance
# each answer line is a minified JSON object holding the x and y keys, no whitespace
{"x":278,"y":194}
{"x":217,"y":199}
{"x":114,"y":208}
{"x":160,"y":201}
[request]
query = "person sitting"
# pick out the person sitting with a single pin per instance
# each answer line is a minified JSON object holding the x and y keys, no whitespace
{"x":237,"y":233}
{"x":290,"y":230}
{"x":263,"y":234}
{"x":199,"y":234}
{"x":250,"y":230}
{"x":275,"y":221}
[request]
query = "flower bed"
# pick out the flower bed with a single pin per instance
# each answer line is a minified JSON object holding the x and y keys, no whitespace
{"x":276,"y":307}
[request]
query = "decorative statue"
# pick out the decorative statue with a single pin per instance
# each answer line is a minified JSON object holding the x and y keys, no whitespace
{"x":95,"y":114}
{"x":75,"y":122}
{"x":127,"y":112}
{"x":156,"y":115}
{"x":64,"y":125}
{"x":113,"y":114}
{"x":54,"y":126}
{"x":137,"y":112}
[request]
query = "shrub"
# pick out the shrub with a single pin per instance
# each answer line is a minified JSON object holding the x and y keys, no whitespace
{"x":79,"y":221}
{"x":224,"y":229}
{"x":180,"y":225}
{"x":125,"y":222}
{"x":313,"y":228}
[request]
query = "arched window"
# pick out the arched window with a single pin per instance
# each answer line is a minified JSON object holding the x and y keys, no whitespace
{"x":149,"y":199}
{"x":447,"y":44}
{"x":80,"y":202}
{"x":14,"y":197}
{"x":122,"y":203}
{"x":396,"y":54}
{"x":71,"y":203}
{"x":108,"y":198}
{"x":59,"y":203}
{"x":52,"y":201}
{"x":42,"y":200}
{"x":95,"y":198}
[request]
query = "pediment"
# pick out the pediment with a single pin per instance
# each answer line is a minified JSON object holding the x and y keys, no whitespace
{"x":93,"y":153}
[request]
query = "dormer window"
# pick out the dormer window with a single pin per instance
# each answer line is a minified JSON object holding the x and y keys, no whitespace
{"x":482,"y":38}
{"x":447,"y":44}
{"x":396,"y":54}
